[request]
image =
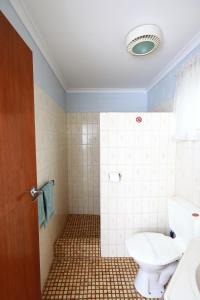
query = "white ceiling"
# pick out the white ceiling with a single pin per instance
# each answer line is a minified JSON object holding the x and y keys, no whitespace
{"x":87,"y":38}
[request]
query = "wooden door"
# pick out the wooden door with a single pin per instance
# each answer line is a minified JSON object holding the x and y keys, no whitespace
{"x":19,"y":244}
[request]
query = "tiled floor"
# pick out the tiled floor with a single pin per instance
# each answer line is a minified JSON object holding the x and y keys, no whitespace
{"x":78,"y":271}
{"x":80,"y":237}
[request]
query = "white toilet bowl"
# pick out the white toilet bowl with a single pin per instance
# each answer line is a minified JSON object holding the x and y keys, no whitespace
{"x":157,"y":256}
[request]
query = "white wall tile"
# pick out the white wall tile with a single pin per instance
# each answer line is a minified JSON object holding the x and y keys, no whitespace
{"x":51,"y":150}
{"x":83,"y":163}
{"x":144,"y":154}
{"x":188,"y":171}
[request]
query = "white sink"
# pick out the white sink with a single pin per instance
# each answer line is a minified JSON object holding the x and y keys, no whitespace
{"x":185,"y":283}
{"x":198,"y":279}
{"x":195,"y":278}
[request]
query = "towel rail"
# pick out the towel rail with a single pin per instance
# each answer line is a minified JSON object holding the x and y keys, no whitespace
{"x":35,"y":192}
{"x":52,"y":180}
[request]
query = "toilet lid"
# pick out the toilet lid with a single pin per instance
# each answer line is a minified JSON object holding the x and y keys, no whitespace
{"x":153,"y":248}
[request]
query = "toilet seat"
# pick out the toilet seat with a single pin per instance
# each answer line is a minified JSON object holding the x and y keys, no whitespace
{"x":153,"y":248}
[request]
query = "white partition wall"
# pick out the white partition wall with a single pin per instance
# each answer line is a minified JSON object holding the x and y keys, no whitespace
{"x":141,"y":148}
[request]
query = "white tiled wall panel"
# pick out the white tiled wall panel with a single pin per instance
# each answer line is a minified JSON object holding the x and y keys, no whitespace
{"x":51,"y":154}
{"x":83,"y":163}
{"x":144,"y":154}
{"x":188,"y":171}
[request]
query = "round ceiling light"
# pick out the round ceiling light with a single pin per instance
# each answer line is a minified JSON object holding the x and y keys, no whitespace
{"x":143,"y":40}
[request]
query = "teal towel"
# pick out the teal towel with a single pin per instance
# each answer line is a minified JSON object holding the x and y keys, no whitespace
{"x":41,"y":211}
{"x":48,"y":201}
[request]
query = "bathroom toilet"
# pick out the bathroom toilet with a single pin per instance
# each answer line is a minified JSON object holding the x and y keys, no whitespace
{"x":157,"y":254}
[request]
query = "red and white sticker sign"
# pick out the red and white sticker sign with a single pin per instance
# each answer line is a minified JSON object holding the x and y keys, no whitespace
{"x":139,"y":119}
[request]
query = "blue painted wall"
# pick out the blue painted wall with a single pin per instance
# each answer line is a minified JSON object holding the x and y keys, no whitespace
{"x":106,"y":102}
{"x":161,"y":96}
{"x":44,"y":77}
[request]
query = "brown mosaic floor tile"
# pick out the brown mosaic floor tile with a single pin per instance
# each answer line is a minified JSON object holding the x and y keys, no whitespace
{"x":82,"y":226}
{"x":77,"y":247}
{"x":80,"y":237}
{"x":100,"y":278}
{"x":78,"y":271}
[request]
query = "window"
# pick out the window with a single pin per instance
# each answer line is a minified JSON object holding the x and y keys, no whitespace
{"x":187,"y":101}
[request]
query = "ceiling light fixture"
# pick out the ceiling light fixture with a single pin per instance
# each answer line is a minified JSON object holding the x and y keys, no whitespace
{"x":143,"y":40}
